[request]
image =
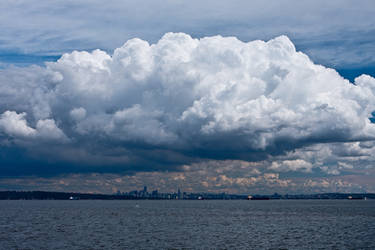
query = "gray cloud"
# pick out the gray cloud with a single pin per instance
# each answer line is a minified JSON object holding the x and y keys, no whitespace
{"x":184,"y":101}
{"x":212,"y":176}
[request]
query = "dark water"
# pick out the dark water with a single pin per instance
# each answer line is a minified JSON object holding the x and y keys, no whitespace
{"x":285,"y":224}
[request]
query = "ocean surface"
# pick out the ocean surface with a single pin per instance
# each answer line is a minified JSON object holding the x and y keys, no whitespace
{"x":184,"y":224}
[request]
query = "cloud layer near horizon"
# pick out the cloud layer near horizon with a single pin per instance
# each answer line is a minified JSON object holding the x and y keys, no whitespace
{"x":183,"y":100}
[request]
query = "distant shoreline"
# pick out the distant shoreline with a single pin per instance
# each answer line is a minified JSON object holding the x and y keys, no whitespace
{"x":45,"y":195}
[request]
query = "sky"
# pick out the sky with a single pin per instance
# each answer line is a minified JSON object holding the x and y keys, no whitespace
{"x":221,"y":96}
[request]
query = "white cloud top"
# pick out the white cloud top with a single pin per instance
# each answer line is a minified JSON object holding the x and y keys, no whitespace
{"x":15,"y":124}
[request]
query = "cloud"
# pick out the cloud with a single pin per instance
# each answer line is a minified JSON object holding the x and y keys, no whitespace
{"x":78,"y":114}
{"x":47,"y":129}
{"x":291,"y":165}
{"x":184,"y":100}
{"x":334,"y":33}
{"x":15,"y":125}
{"x":213,"y":176}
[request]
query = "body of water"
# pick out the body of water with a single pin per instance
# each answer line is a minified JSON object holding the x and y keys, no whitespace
{"x":185,"y":224}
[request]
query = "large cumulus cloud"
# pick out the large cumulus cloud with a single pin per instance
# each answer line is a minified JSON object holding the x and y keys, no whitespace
{"x":182,"y":100}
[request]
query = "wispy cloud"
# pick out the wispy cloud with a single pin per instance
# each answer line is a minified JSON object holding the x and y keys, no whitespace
{"x":46,"y":27}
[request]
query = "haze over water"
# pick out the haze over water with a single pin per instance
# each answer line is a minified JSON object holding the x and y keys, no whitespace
{"x":146,"y":224}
